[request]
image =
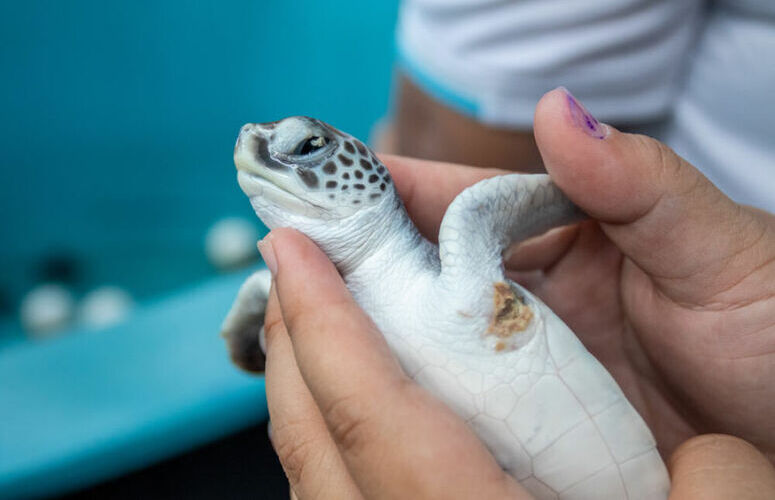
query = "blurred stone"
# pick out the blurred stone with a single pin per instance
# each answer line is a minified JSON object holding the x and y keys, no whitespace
{"x":46,"y":309}
{"x":231,"y":243}
{"x":105,"y":306}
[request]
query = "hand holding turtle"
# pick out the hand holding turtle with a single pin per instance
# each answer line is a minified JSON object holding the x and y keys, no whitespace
{"x":335,"y":439}
{"x":612,"y":268}
{"x":671,"y":287}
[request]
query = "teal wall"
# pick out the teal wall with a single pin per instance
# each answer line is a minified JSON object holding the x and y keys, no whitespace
{"x":118,"y":120}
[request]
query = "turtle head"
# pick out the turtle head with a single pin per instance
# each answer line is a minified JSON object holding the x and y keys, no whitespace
{"x":303,"y":168}
{"x":302,"y":173}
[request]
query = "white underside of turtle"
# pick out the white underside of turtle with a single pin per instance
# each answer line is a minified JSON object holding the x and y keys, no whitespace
{"x":550,"y":413}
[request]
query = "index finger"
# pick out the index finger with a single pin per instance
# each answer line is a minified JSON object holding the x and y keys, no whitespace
{"x":428,"y":187}
{"x":396,"y":440}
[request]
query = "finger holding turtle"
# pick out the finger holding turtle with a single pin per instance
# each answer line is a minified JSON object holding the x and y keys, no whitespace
{"x":377,"y":461}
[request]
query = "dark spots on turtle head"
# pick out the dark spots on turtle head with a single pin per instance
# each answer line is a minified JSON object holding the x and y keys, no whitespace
{"x":359,"y":187}
{"x":366,"y":165}
{"x":380,"y":170}
{"x":263,"y":156}
{"x":382,"y":187}
{"x":329,"y":168}
{"x":356,"y":202}
{"x":349,"y":147}
{"x":374,"y":161}
{"x":386,"y":178}
{"x":345,"y":187}
{"x":373,"y":178}
{"x":358,"y":174}
{"x":361,"y":148}
{"x":345,"y":176}
{"x":308,"y":177}
{"x":331,"y":184}
{"x":346,"y":160}
{"x":374,"y":196}
{"x":331,"y":196}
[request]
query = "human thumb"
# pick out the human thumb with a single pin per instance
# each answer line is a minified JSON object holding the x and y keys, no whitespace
{"x":662,"y":213}
{"x":717,"y":466}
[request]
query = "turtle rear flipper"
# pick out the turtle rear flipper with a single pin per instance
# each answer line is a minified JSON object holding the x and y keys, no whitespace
{"x":243,"y":326}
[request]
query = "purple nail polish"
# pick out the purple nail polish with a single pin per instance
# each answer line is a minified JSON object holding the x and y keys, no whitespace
{"x":583,"y":119}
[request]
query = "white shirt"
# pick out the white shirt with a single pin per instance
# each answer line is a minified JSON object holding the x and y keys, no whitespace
{"x":705,"y":71}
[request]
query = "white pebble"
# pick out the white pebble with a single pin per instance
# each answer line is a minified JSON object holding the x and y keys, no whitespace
{"x":231,"y":243}
{"x":46,"y":309}
{"x":105,"y":306}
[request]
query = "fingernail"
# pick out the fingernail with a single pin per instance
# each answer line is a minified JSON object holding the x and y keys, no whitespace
{"x":509,"y":253}
{"x":583,"y":119}
{"x":262,"y":340}
{"x":267,"y":253}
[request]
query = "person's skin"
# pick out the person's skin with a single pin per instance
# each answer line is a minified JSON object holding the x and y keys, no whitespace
{"x":671,"y":286}
{"x":425,"y":128}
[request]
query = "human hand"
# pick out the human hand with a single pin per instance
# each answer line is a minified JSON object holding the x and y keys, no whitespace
{"x":348,"y":423}
{"x":671,"y":286}
{"x":669,"y":289}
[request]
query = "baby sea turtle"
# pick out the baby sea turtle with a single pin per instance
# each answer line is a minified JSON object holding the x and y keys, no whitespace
{"x":499,"y":357}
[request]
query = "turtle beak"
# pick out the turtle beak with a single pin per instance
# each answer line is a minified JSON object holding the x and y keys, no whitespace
{"x":246,"y":148}
{"x":251,"y":152}
{"x":244,"y":133}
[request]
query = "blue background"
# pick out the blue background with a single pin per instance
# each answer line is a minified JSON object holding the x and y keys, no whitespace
{"x":118,"y":121}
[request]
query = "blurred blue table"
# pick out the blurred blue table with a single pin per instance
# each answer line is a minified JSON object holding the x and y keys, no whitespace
{"x":94,"y":404}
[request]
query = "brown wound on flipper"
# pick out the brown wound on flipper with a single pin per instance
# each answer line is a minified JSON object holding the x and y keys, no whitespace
{"x":510,"y":314}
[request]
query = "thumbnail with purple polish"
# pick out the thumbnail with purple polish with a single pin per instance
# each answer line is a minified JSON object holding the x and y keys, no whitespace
{"x":583,"y":119}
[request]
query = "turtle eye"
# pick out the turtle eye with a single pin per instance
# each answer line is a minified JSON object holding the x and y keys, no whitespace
{"x":310,"y":145}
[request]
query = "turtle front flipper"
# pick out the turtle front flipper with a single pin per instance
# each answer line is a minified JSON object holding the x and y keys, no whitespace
{"x":489,"y":216}
{"x":244,"y":324}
